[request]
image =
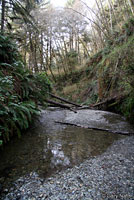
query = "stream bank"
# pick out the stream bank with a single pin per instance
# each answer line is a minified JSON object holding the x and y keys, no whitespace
{"x":54,"y":161}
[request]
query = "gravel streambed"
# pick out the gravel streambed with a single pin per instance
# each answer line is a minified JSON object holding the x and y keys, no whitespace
{"x":108,"y":176}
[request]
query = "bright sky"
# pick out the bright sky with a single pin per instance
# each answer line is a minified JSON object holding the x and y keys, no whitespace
{"x":61,"y":3}
{"x":58,"y":3}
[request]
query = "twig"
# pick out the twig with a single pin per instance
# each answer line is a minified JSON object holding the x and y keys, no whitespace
{"x":94,"y":128}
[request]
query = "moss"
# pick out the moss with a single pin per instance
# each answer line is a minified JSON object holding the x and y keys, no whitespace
{"x":108,"y":73}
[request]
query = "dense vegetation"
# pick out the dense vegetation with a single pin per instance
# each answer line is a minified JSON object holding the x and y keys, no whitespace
{"x":20,"y":91}
{"x":104,"y":66}
{"x":107,"y":74}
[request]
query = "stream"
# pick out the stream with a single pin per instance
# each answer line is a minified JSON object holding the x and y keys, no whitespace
{"x":49,"y":147}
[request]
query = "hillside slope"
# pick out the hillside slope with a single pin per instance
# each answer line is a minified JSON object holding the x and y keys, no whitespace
{"x":107,"y":74}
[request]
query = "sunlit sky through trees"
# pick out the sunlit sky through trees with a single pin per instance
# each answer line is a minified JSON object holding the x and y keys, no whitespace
{"x":61,"y":3}
{"x":58,"y":3}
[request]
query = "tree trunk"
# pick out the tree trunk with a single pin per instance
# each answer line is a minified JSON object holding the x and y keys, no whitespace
{"x":33,"y":50}
{"x":50,"y":60}
{"x":41,"y":53}
{"x":65,"y":46}
{"x":60,"y":105}
{"x":64,"y":100}
{"x":131,"y":4}
{"x":61,"y":56}
{"x":25,"y":52}
{"x":78,"y":49}
{"x":47,"y":64}
{"x":110,"y":14}
{"x":85,"y":48}
{"x":103,"y":20}
{"x":63,"y":59}
{"x":3,"y":16}
{"x":35,"y":56}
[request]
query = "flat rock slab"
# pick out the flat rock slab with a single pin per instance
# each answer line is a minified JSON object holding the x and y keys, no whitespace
{"x":100,"y":120}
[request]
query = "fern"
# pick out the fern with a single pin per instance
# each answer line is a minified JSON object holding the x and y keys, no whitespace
{"x":20,"y":91}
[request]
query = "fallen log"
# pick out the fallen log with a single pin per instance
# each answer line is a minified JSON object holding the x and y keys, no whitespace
{"x":60,"y":105}
{"x":64,"y":100}
{"x":107,"y":101}
{"x":94,"y":128}
{"x":85,"y":107}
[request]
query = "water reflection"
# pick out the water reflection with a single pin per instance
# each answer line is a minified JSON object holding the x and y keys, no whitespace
{"x":57,"y":157}
{"x":45,"y":152}
{"x":74,"y":144}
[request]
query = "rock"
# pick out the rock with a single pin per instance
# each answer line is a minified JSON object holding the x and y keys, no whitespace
{"x":99,"y":119}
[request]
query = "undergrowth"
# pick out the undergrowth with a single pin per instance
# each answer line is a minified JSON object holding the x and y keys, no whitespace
{"x":20,"y":91}
{"x":108,"y":73}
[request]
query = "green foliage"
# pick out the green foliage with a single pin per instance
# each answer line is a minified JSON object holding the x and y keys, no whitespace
{"x":72,"y":59}
{"x":20,"y":91}
{"x":127,"y":107}
{"x":106,"y":50}
{"x":70,"y":3}
{"x":93,"y":98}
{"x":129,"y":27}
{"x":120,"y":39}
{"x":8,"y":51}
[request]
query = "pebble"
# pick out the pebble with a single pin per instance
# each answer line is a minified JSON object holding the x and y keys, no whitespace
{"x":108,"y":176}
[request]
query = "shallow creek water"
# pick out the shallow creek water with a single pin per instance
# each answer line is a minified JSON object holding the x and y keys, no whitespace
{"x":49,"y":147}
